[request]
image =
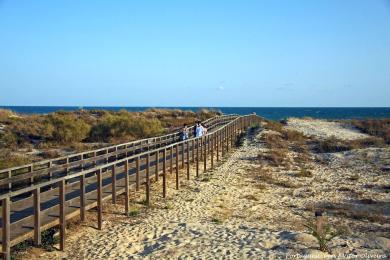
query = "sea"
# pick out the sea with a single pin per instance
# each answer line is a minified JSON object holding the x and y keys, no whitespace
{"x":274,"y":113}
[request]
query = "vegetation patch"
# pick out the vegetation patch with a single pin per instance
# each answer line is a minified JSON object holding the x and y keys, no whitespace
{"x":333,"y":145}
{"x":375,"y":127}
{"x":80,"y":130}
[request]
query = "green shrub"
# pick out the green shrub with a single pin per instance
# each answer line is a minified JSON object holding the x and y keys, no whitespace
{"x":8,"y":159}
{"x":66,"y":128}
{"x":8,"y":140}
{"x":323,"y":235}
{"x":125,"y":125}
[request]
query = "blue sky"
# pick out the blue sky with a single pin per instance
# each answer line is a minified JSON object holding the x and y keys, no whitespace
{"x":195,"y":53}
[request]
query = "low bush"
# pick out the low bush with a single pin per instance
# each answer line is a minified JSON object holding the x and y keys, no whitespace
{"x":332,"y":144}
{"x":66,"y":128}
{"x":303,"y":172}
{"x":274,"y":141}
{"x":125,"y":126}
{"x":376,"y":127}
{"x":324,"y":232}
{"x":274,"y":157}
{"x":8,"y":159}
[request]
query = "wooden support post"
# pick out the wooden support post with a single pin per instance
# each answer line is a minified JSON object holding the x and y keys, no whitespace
{"x":171,"y":161}
{"x":67,"y":167}
{"x":197,"y":157}
{"x":227,"y":138}
{"x":94,"y":162}
{"x":188,"y":160}
{"x":218,"y":134}
{"x":137,"y":172}
{"x":164,"y":172}
{"x":100,"y":199}
{"x":6,"y":223}
{"x":212,"y":150}
{"x":205,"y":154}
{"x":9,"y":175}
{"x":62,"y":214}
{"x":127,"y":188}
{"x":37,"y":216}
{"x":193,"y":150}
{"x":157,"y":165}
{"x":222,"y":137}
{"x":50,"y":174}
{"x":113,"y":184}
{"x":82,"y":197}
{"x":32,"y":178}
{"x":232,"y":135}
{"x":182,"y":155}
{"x":177,"y":166}
{"x":208,"y":144}
{"x":147,"y":181}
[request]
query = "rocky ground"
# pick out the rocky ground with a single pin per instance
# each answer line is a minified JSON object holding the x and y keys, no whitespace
{"x":244,"y":209}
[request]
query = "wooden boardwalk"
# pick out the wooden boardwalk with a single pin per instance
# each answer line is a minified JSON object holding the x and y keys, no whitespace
{"x":42,"y":195}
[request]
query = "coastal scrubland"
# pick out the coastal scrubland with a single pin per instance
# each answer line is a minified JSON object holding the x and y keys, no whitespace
{"x":259,"y":202}
{"x":27,"y":138}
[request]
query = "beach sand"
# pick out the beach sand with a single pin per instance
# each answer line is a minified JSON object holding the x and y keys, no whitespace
{"x":231,"y":213}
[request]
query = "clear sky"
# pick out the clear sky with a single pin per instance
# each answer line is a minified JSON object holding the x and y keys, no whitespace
{"x":195,"y":53}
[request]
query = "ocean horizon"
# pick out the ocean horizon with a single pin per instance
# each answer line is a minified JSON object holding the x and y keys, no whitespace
{"x":274,"y":113}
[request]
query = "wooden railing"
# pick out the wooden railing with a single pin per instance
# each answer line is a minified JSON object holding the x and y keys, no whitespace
{"x":50,"y":197}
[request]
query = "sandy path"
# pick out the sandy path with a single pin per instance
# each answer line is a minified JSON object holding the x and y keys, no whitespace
{"x":228,"y":214}
{"x":205,"y":219}
{"x":324,"y":129}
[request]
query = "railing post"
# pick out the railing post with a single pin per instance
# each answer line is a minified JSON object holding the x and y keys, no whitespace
{"x":227,"y":139}
{"x":188,"y":160}
{"x":127,"y":188}
{"x":177,"y":165}
{"x":204,"y":153}
{"x":182,"y":155}
{"x":231,"y":135}
{"x":99,"y":199}
{"x":82,"y":197}
{"x":67,"y":166}
{"x":164,"y":173}
{"x":113,"y":184}
{"x":157,"y":165}
{"x":208,"y":144}
{"x":193,"y":150}
{"x":62,"y":214}
{"x":212,"y":149}
{"x":137,"y":172}
{"x":32,"y":178}
{"x":5,"y":242}
{"x":197,"y":157}
{"x":171,"y":161}
{"x":147,"y":182}
{"x":221,"y":140}
{"x":37,"y":216}
{"x":9,"y":173}
{"x":217,"y":137}
{"x":50,"y":174}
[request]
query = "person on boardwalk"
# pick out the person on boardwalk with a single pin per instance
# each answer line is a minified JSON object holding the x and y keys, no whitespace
{"x":204,"y":129}
{"x":198,"y":129}
{"x":184,"y":133}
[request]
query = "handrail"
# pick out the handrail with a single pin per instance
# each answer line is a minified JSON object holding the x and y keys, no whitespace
{"x":104,"y":148}
{"x":56,"y":167}
{"x":100,"y":167}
